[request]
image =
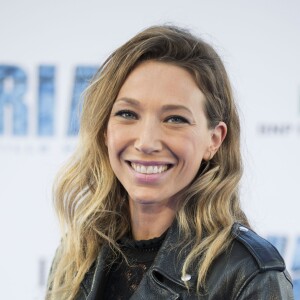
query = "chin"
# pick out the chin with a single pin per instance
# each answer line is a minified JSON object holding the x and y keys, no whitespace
{"x":145,"y":198}
{"x":150,"y":200}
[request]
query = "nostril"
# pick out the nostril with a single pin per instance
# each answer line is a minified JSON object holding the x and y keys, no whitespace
{"x":148,"y":144}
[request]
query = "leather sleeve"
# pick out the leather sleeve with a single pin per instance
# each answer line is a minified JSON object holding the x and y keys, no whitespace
{"x":270,"y":285}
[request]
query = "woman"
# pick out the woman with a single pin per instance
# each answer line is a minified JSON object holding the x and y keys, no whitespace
{"x":149,"y":203}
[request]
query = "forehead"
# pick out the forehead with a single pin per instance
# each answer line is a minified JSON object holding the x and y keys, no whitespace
{"x":166,"y":82}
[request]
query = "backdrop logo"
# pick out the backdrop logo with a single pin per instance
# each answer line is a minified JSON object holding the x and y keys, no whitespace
{"x":15,"y":111}
{"x":280,"y":128}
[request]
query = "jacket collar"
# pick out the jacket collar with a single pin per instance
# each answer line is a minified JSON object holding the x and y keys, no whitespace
{"x":170,"y":259}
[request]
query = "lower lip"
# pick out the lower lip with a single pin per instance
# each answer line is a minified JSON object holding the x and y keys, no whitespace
{"x":148,"y":178}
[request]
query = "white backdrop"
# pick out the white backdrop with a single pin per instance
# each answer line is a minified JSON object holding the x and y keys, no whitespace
{"x":259,"y":42}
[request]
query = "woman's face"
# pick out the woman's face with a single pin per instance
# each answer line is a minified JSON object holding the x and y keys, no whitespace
{"x":157,"y":134}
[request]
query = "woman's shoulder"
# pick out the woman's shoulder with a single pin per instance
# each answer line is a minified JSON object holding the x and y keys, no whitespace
{"x":250,"y":265}
{"x":256,"y":248}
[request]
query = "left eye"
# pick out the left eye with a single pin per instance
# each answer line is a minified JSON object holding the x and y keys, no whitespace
{"x":126,"y":114}
{"x":176,"y":119}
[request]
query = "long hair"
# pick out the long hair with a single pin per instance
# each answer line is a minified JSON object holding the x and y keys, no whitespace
{"x":91,"y":203}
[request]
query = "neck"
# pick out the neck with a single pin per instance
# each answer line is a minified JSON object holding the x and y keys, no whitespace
{"x":150,"y":221}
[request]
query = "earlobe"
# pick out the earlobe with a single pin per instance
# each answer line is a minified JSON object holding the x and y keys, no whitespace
{"x":208,"y":155}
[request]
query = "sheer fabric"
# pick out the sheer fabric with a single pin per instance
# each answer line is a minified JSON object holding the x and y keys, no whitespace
{"x":123,"y":279}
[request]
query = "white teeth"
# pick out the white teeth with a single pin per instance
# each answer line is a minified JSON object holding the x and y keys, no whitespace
{"x":143,"y":169}
{"x":149,"y":169}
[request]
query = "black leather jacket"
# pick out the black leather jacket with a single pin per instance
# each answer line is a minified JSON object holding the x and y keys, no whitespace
{"x":250,"y":269}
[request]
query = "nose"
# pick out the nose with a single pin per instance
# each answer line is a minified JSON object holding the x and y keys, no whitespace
{"x":148,"y":137}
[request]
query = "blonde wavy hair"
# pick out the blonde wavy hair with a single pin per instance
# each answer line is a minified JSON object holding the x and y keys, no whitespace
{"x":89,"y":199}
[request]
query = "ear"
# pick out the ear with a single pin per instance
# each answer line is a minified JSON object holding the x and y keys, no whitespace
{"x":217,"y":137}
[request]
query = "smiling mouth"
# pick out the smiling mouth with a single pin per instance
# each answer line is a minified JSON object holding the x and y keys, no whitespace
{"x":149,"y":169}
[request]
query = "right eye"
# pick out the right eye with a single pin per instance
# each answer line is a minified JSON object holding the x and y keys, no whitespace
{"x":126,"y":114}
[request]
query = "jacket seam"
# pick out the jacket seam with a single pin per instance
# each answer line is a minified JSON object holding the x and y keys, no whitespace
{"x":288,"y":278}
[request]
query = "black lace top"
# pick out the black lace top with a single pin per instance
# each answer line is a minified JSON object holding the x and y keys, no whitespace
{"x":123,"y":279}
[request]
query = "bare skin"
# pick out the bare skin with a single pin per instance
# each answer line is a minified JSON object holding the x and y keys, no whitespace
{"x":150,"y":221}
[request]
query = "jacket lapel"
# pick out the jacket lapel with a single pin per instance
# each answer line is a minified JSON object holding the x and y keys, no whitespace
{"x":95,"y":278}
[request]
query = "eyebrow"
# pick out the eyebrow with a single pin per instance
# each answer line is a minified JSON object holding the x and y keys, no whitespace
{"x":129,"y":101}
{"x":166,"y":107}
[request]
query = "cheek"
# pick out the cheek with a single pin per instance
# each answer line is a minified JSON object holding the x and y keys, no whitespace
{"x":192,"y":146}
{"x":110,"y":140}
{"x":192,"y":151}
{"x":114,"y":140}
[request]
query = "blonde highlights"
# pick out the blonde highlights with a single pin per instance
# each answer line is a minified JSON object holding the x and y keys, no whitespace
{"x":90,"y":201}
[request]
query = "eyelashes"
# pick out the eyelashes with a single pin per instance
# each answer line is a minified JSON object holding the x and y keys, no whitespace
{"x":177,"y":120}
{"x":127,"y":114}
{"x":131,"y":115}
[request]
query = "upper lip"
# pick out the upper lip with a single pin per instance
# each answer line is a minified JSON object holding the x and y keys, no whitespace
{"x":149,"y":163}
